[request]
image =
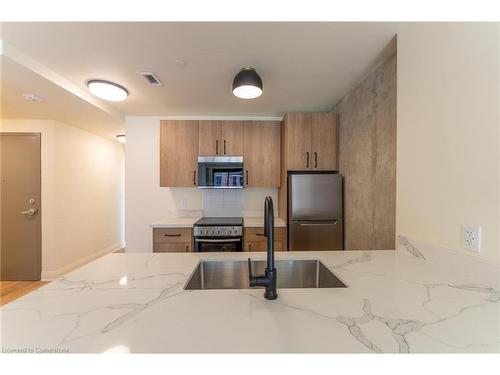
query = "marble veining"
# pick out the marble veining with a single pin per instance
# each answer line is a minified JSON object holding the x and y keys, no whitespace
{"x":412,"y":300}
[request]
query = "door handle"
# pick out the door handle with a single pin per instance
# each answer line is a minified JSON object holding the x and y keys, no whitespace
{"x":30,"y":212}
{"x":222,"y":240}
{"x":334,"y":222}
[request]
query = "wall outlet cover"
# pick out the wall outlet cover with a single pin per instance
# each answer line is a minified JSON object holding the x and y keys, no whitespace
{"x":472,"y":238}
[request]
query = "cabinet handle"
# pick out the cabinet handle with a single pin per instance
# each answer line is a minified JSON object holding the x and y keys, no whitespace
{"x":307,"y":162}
{"x":247,"y":176}
{"x":224,"y":147}
{"x":260,"y":234}
{"x":194,"y":178}
{"x":187,"y":248}
{"x":217,"y":147}
{"x":172,"y":235}
{"x":315,"y":159}
{"x":249,"y":247}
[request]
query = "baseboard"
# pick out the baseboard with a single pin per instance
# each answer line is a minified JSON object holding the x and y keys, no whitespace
{"x":51,"y":275}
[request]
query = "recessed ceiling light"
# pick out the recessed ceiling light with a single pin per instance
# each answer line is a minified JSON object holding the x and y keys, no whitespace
{"x":247,"y":84}
{"x":107,"y":90}
{"x":32,"y":98}
{"x":180,"y":62}
{"x":121,"y":138}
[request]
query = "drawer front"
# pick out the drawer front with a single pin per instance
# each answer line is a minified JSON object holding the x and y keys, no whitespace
{"x":172,"y":235}
{"x":257,"y":234}
{"x":262,"y":246}
{"x":171,"y":247}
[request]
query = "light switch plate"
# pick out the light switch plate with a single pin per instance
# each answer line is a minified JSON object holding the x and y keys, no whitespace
{"x":472,"y":238}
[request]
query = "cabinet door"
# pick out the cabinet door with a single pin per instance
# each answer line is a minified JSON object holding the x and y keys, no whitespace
{"x":324,"y":141}
{"x":210,"y":138}
{"x":176,"y":247}
{"x":298,"y":139}
{"x":178,"y":153}
{"x":262,"y":153}
{"x":232,"y":138}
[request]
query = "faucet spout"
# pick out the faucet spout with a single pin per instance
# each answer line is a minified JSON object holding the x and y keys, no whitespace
{"x":269,"y":278}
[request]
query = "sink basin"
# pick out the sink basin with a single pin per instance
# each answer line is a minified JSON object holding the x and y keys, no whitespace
{"x":310,"y":273}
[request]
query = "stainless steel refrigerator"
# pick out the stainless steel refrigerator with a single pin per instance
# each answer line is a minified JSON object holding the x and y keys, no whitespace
{"x":315,"y":212}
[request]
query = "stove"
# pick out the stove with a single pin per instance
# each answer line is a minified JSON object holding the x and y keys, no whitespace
{"x":218,"y":234}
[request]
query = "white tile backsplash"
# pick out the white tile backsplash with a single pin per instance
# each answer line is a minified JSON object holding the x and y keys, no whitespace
{"x":223,"y":202}
{"x":247,"y":202}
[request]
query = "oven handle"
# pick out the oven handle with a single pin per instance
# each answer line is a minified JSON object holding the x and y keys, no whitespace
{"x":221,"y":240}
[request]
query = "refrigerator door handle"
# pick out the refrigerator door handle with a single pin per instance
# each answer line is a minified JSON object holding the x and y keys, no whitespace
{"x":333,"y":222}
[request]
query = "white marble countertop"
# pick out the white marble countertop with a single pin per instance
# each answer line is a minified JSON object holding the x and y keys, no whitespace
{"x":187,"y":222}
{"x":410,"y":300}
{"x":176,"y":222}
{"x":256,"y":222}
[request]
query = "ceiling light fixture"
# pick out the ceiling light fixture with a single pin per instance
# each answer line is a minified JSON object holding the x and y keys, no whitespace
{"x":121,"y":138}
{"x":32,"y":98}
{"x":107,"y":90}
{"x":247,"y":84}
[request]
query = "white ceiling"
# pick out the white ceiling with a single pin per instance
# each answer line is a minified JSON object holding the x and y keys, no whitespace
{"x":304,"y":66}
{"x":57,"y":104}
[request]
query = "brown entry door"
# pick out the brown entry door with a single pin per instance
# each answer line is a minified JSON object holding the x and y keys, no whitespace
{"x":21,"y":257}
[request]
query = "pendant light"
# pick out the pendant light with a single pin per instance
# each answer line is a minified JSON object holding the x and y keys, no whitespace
{"x":247,"y":84}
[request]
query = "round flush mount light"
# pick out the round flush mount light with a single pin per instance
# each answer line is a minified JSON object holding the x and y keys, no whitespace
{"x":247,"y":84}
{"x":107,"y":90}
{"x":121,"y":138}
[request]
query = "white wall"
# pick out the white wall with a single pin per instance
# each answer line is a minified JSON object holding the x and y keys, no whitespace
{"x":448,"y":133}
{"x":147,"y":202}
{"x":82,"y":194}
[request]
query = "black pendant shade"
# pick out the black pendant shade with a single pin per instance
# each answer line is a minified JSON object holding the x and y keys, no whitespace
{"x":247,"y":84}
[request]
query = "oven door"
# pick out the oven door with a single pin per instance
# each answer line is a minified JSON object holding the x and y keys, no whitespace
{"x":218,"y":244}
{"x":220,"y":172}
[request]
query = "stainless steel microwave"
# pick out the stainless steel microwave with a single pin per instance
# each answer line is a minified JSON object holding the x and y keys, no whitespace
{"x":220,"y":172}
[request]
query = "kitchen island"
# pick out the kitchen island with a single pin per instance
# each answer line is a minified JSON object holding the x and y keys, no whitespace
{"x":413,"y":300}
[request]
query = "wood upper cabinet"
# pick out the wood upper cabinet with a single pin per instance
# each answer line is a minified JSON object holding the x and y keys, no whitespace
{"x":209,"y":138}
{"x":298,"y":142}
{"x":219,"y":138}
{"x":261,"y":152}
{"x":310,"y":140}
{"x":232,"y":138}
{"x":178,"y":153}
{"x":323,"y":141}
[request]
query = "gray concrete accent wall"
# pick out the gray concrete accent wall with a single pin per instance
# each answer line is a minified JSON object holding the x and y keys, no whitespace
{"x":367,"y":159}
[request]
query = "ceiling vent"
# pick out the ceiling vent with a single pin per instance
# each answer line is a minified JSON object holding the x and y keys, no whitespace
{"x":151,"y":78}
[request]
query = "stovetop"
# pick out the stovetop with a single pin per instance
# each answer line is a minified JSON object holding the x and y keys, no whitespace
{"x":219,"y":221}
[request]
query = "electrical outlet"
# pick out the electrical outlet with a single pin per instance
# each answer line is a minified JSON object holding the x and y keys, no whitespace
{"x":184,"y":203}
{"x":472,"y":238}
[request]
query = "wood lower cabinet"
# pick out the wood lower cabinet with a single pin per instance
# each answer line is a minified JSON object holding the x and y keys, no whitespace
{"x":254,"y":239}
{"x":219,"y":138}
{"x":178,"y":153}
{"x":172,"y":240}
{"x":262,"y":153}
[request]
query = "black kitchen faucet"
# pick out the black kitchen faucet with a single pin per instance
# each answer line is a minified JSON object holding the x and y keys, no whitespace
{"x":269,"y":278}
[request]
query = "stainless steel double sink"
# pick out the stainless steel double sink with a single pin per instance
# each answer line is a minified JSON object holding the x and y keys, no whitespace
{"x":233,"y":274}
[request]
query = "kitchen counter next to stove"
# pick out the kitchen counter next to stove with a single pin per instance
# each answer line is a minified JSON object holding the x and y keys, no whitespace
{"x":416,"y":299}
{"x":176,"y":222}
{"x":188,"y":222}
{"x":257,"y":222}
